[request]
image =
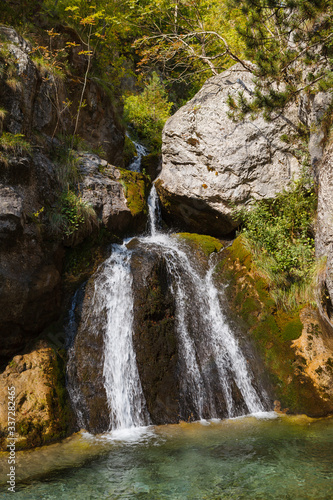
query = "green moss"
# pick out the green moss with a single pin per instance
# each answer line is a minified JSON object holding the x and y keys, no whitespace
{"x":291,"y":328}
{"x":207,"y":244}
{"x":272,"y":330}
{"x":136,"y":187}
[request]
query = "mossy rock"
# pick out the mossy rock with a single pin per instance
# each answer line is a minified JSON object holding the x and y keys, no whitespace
{"x":151,"y":165}
{"x":272,"y":331}
{"x":43,"y":411}
{"x":83,"y":260}
{"x":207,"y":244}
{"x":136,"y":188}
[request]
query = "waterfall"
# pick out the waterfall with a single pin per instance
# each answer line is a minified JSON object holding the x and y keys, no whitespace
{"x":113,"y":294}
{"x":214,"y":377}
{"x":154,"y":212}
{"x":205,"y":338}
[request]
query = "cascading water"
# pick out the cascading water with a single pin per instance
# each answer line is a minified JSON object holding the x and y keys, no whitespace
{"x":113,"y":298}
{"x":214,"y":377}
{"x":135,"y":165}
{"x":206,"y":340}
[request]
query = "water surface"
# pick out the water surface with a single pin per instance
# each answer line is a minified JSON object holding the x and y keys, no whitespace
{"x":243,"y":458}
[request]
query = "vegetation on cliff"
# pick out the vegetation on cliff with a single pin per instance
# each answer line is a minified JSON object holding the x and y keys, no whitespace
{"x":274,"y":332}
{"x":280,"y":234}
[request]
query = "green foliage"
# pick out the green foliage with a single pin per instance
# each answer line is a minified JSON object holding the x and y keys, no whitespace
{"x":129,"y":151}
{"x":292,"y":47}
{"x":67,"y":166}
{"x":188,"y":41}
{"x":280,"y":234}
{"x":148,"y":111}
{"x":72,"y":215}
{"x":14,"y":144}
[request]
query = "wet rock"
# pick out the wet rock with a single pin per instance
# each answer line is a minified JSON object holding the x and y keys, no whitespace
{"x":295,"y":347}
{"x":85,"y":368}
{"x":211,"y":163}
{"x":155,"y":338}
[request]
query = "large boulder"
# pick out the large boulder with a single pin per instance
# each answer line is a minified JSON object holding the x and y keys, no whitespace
{"x":212,"y":163}
{"x":33,"y":385}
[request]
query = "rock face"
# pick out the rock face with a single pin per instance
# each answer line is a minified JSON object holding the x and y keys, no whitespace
{"x":211,"y":163}
{"x":41,"y":405}
{"x":34,"y":102}
{"x":31,"y":253}
{"x":117,"y":195}
{"x":155,"y":340}
{"x":314,"y":112}
{"x":324,"y":229}
{"x":30,"y":265}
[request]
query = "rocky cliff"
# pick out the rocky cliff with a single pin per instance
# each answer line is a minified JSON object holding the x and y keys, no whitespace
{"x":37,"y":221}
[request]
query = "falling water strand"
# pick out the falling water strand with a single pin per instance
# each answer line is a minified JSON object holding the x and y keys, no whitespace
{"x":135,"y":165}
{"x":205,"y":337}
{"x":73,"y":389}
{"x":154,"y":212}
{"x":122,"y":383}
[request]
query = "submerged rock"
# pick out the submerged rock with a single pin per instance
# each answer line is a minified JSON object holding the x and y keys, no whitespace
{"x":211,"y":163}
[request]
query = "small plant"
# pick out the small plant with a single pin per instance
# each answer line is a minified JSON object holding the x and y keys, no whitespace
{"x":67,"y":166}
{"x":14,"y":143}
{"x":72,"y":214}
{"x":3,"y":113}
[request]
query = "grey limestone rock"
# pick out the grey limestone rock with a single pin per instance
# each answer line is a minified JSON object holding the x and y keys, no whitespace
{"x":211,"y":163}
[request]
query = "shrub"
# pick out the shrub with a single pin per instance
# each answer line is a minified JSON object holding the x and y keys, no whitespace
{"x":14,"y":143}
{"x":279,"y":232}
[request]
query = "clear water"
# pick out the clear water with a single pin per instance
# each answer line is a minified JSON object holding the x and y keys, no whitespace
{"x":244,"y":458}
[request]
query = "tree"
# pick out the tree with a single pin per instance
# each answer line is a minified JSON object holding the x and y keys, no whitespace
{"x":149,"y":110}
{"x":189,"y":39}
{"x":291,"y":44}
